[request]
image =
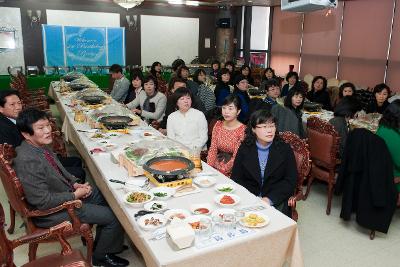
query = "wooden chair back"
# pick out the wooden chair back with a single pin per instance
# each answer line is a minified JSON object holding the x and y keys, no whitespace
{"x":68,"y":257}
{"x":303,"y":164}
{"x":18,"y":203}
{"x":323,"y":142}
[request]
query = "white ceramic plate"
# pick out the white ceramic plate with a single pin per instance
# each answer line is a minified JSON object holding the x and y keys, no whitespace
{"x":180,"y":213}
{"x":256,"y":224}
{"x":155,"y":206}
{"x":226,"y":188}
{"x":163,"y":190}
{"x":195,"y":219}
{"x":199,"y":209}
{"x":220,"y":212}
{"x":235,"y":198}
{"x":138,"y":204}
{"x":204,"y":181}
{"x":152,"y":221}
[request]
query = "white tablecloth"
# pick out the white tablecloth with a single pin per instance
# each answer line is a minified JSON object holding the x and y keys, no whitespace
{"x":273,"y":245}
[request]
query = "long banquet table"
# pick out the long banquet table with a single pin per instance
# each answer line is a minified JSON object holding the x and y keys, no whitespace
{"x":274,"y":245}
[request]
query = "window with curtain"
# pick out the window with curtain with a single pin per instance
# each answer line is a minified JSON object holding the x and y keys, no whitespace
{"x":259,"y":36}
{"x":286,"y":40}
{"x":393,"y":70}
{"x":365,"y":41}
{"x":321,"y":34}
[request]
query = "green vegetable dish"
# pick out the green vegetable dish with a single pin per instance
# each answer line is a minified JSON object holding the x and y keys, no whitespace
{"x":160,"y":194}
{"x":226,"y":189}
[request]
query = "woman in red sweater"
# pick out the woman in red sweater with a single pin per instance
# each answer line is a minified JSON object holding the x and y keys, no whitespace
{"x":227,"y":136}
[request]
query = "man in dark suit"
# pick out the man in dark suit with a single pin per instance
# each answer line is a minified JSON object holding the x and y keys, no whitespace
{"x":10,"y":107}
{"x":47,"y":184}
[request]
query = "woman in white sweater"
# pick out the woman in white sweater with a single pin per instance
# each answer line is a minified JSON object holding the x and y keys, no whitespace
{"x":187,"y":125}
{"x":152,"y":103}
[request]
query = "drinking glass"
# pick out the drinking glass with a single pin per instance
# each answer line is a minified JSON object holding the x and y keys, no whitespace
{"x":205,"y":230}
{"x":195,"y":153}
{"x":229,"y":224}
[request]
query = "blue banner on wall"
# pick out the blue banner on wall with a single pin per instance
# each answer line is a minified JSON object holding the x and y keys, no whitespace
{"x":82,"y":46}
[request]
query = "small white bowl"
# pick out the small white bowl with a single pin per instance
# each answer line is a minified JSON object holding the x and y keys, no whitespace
{"x":152,"y":217}
{"x":135,"y":184}
{"x":204,"y":181}
{"x":110,"y":146}
{"x":163,"y":190}
{"x":155,"y":206}
{"x":138,"y":204}
{"x":220,"y":187}
{"x":179,"y":213}
{"x":219,"y":197}
{"x":201,"y":209}
{"x":222,"y":211}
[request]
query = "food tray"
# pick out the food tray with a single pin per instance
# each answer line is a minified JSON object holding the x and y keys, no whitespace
{"x":180,"y":182}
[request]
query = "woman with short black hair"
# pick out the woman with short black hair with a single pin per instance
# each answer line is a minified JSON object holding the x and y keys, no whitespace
{"x":264,"y":164}
{"x":152,"y":103}
{"x":294,"y":101}
{"x":215,"y":67}
{"x":319,"y":93}
{"x":245,"y":70}
{"x":206,"y":95}
{"x":241,"y":87}
{"x":222,"y":89}
{"x":292,"y":79}
{"x":380,"y":102}
{"x":135,"y":85}
{"x":187,"y":125}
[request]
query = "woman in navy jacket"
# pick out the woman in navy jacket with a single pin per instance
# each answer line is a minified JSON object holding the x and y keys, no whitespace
{"x":264,"y":164}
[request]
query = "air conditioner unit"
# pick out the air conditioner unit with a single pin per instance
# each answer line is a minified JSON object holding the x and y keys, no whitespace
{"x":306,"y":5}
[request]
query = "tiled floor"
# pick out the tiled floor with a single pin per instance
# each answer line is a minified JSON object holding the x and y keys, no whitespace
{"x":326,"y":241}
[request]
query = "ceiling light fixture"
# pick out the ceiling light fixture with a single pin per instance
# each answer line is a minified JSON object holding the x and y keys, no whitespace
{"x":175,"y":2}
{"x":192,"y":3}
{"x":128,"y":3}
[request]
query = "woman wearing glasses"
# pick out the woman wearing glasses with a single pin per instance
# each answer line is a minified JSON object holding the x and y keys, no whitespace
{"x":264,"y":164}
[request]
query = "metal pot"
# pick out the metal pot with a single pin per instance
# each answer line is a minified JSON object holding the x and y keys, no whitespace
{"x":93,"y":99}
{"x":312,"y":106}
{"x":168,"y":176}
{"x":78,"y":86}
{"x":115,"y":122}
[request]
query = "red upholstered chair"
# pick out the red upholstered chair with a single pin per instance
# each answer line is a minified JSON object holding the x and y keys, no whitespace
{"x":323,"y":142}
{"x":18,"y":203}
{"x":303,"y":163}
{"x":67,"y":258}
